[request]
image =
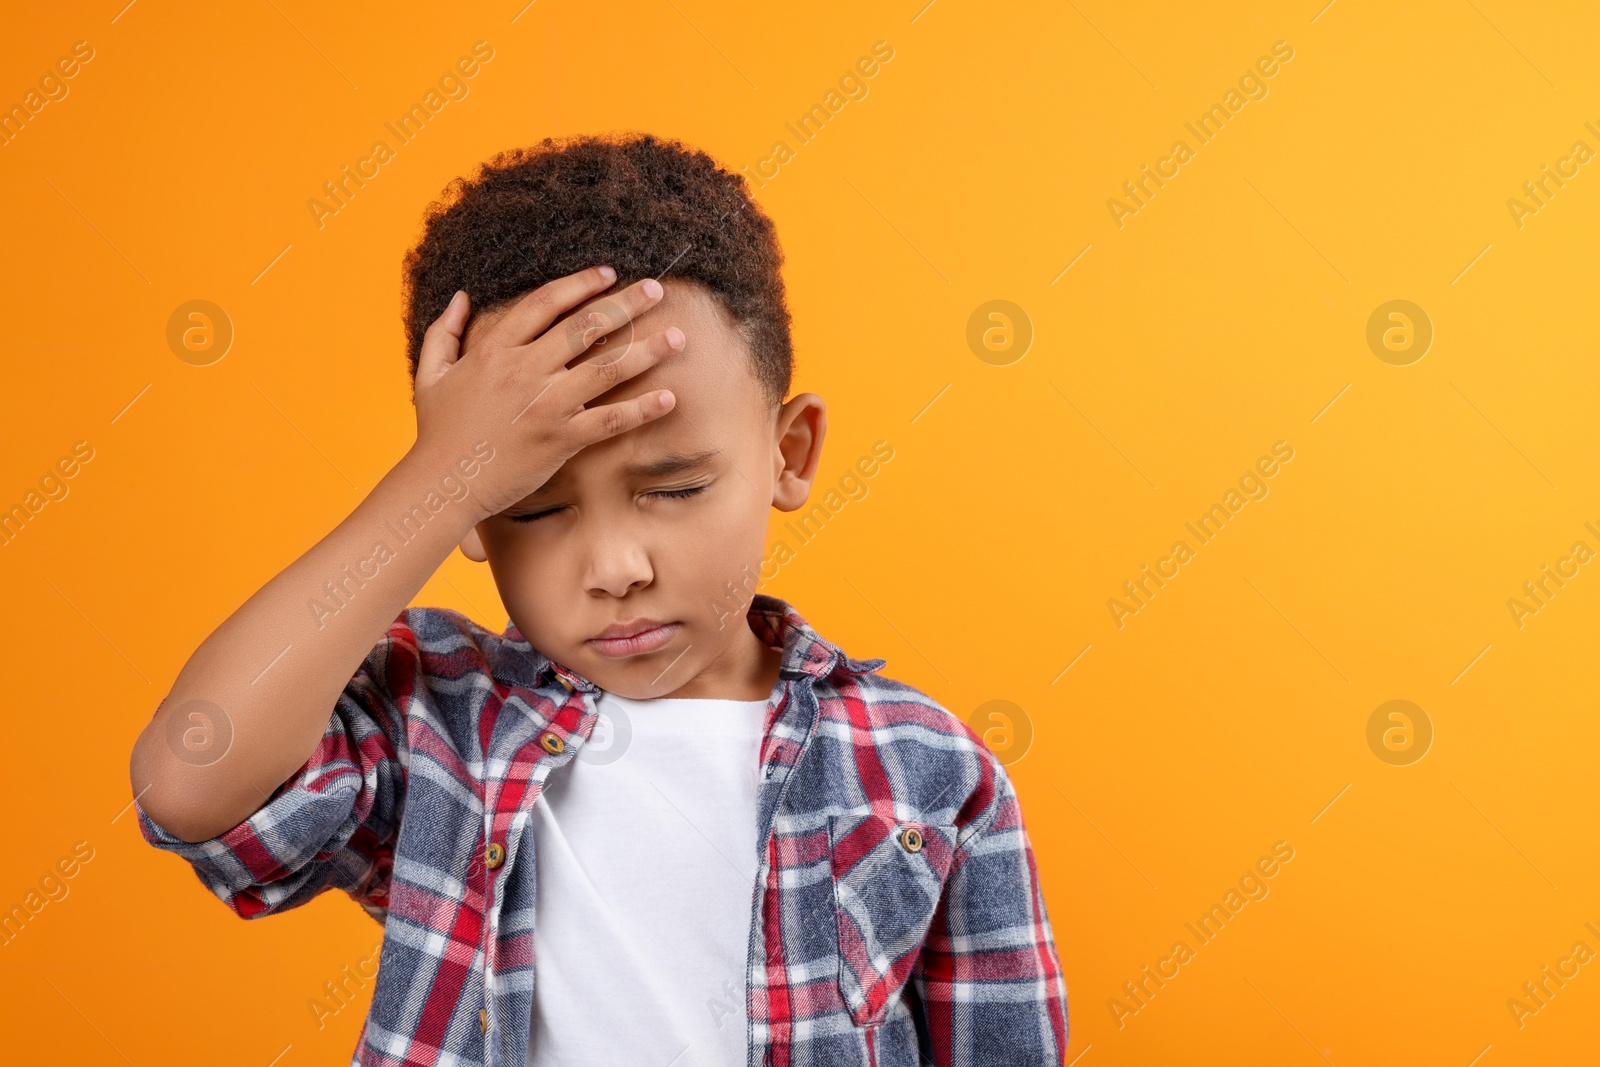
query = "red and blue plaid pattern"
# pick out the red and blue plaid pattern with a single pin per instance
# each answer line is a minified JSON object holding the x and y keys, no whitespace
{"x":897,"y":917}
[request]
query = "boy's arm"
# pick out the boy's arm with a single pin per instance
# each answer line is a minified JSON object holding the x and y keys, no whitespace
{"x":254,"y":699}
{"x":334,"y":824}
{"x":989,"y":979}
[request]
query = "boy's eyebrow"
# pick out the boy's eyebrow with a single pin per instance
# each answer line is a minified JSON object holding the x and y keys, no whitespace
{"x":672,"y":463}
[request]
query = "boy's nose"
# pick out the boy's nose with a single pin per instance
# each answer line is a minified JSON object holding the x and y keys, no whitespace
{"x":617,"y":564}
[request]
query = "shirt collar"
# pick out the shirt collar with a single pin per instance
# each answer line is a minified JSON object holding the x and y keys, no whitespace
{"x":775,"y":621}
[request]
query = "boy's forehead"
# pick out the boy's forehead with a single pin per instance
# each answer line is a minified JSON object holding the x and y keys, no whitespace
{"x":714,"y":358}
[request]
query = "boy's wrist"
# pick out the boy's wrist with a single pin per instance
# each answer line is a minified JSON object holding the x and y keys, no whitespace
{"x":442,"y":481}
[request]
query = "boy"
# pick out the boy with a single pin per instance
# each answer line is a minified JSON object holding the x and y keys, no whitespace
{"x":649,"y":823}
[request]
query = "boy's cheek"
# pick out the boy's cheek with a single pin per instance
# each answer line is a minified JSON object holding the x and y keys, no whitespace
{"x":712,"y":547}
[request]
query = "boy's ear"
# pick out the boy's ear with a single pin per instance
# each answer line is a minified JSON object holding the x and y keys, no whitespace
{"x":472,"y":547}
{"x":802,"y":424}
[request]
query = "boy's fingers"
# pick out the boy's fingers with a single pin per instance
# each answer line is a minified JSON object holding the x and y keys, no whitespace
{"x":608,"y":420}
{"x":532,"y":315}
{"x":441,"y":344}
{"x":595,"y":376}
{"x":594,"y":322}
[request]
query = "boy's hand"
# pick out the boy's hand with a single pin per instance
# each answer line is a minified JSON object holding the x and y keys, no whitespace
{"x":515,"y":391}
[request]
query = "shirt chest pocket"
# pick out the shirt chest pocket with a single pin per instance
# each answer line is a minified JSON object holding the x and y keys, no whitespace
{"x":888,"y":878}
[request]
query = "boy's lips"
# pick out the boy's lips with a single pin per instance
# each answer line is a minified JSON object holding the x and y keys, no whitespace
{"x":623,"y":639}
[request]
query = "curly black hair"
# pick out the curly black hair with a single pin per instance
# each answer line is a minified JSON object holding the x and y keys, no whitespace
{"x":650,"y":207}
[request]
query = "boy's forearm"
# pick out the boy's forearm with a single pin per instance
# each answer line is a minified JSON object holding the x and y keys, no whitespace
{"x":266,"y":680}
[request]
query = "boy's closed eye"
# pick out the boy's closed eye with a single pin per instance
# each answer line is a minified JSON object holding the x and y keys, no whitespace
{"x":677,"y":494}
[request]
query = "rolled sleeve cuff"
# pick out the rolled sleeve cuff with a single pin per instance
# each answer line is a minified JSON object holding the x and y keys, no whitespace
{"x":285,"y":853}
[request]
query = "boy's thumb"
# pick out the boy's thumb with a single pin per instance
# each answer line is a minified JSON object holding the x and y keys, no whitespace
{"x":441,"y":344}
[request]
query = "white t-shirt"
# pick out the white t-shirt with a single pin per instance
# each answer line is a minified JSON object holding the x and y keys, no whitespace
{"x":646,"y":848}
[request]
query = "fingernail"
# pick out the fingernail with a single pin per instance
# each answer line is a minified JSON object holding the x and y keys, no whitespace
{"x":608,"y":273}
{"x":652,"y":288}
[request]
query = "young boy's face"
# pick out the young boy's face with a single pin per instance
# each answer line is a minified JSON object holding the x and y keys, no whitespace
{"x":617,"y":542}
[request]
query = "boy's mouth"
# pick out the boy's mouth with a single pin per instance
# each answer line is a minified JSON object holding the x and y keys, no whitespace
{"x":632,"y":638}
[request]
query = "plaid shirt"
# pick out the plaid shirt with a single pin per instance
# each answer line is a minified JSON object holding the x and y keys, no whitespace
{"x":896,"y":915}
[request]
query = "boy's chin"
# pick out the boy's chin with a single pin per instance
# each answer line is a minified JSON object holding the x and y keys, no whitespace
{"x":642,"y":677}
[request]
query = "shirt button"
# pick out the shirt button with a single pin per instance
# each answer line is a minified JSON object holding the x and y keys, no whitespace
{"x":552,"y":743}
{"x":563,"y":680}
{"x":483,"y":1019}
{"x":494,"y":855}
{"x":911,"y":839}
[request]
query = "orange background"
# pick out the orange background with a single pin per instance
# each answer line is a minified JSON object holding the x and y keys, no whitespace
{"x":1230,"y":312}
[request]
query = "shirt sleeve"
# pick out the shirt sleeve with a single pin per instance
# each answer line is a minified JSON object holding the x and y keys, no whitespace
{"x":333,"y":824}
{"x":988,"y":979}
